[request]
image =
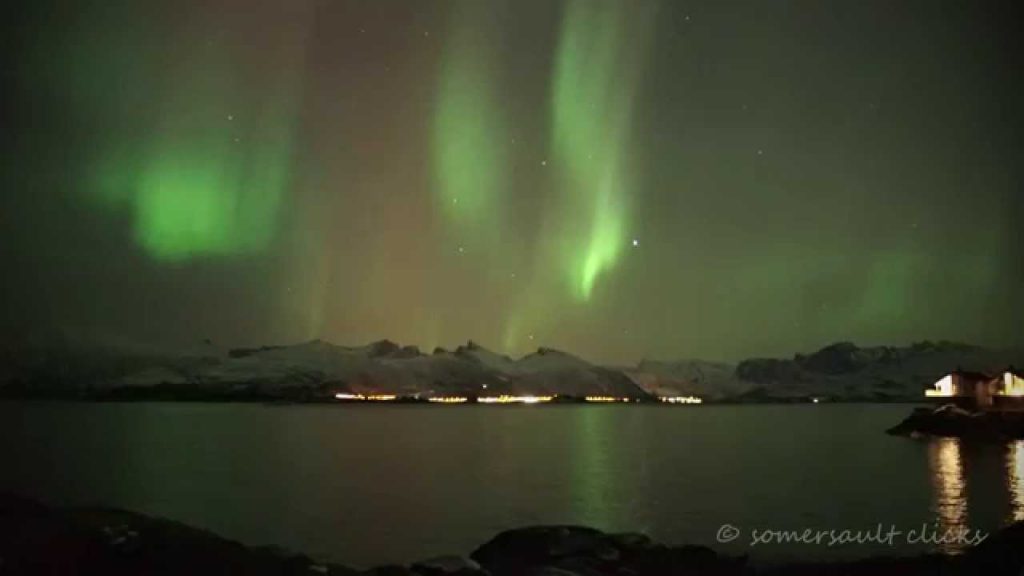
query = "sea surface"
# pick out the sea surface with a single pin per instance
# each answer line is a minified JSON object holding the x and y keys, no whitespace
{"x":367,"y":485}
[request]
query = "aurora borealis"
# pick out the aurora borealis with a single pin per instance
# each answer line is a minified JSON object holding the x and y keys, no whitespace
{"x":210,"y":176}
{"x":591,"y":107}
{"x":618,"y":179}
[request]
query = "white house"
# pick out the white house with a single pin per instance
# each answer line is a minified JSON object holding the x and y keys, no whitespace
{"x":980,"y":390}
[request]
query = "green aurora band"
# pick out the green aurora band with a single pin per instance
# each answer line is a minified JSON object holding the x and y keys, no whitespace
{"x":215,"y":164}
{"x":431,"y":172}
{"x":470,"y":158}
{"x":592,"y":92}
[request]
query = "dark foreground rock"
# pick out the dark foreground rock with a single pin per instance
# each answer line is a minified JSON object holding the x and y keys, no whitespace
{"x":576,"y":550}
{"x":949,"y":420}
{"x":35,"y":539}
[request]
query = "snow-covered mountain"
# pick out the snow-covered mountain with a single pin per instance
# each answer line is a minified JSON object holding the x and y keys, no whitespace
{"x":316,"y":368}
{"x":846,"y":371}
{"x":324,"y":368}
{"x":708,"y":380}
{"x":841,"y":371}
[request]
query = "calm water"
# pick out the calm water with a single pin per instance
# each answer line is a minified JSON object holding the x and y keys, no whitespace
{"x":366,"y":485}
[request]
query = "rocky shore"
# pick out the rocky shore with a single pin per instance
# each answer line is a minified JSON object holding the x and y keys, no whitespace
{"x":37,"y":539}
{"x":949,"y":420}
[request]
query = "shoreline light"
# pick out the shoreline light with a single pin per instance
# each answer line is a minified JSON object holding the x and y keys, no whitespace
{"x":366,"y":397}
{"x":604,"y":399}
{"x":681,"y":399}
{"x":506,"y":399}
{"x":448,"y":399}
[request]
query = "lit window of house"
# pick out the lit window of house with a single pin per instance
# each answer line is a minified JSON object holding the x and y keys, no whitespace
{"x":943,"y":388}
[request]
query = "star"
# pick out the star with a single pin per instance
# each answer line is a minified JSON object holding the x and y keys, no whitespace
{"x":461,"y":249}
{"x":543,"y":162}
{"x":636,"y":242}
{"x":231,"y":117}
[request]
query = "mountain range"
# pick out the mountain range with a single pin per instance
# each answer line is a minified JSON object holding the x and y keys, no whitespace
{"x":318,"y":369}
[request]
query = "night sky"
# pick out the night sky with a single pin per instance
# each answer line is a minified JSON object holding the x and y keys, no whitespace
{"x":619,"y":179}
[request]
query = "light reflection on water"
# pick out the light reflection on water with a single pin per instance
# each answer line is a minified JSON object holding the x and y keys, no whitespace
{"x":1015,"y":479}
{"x":949,"y":460}
{"x":367,"y":486}
{"x":949,"y":488}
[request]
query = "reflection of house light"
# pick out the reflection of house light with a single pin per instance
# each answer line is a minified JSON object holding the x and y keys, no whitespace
{"x":1015,"y":474}
{"x":448,"y":399}
{"x":505,"y":399}
{"x":943,"y":388}
{"x":681,"y":399}
{"x":948,"y":484}
{"x":605,"y":399}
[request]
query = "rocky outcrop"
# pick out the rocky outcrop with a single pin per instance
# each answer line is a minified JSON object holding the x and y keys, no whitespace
{"x":952,"y":421}
{"x":572,"y":550}
{"x":36,"y":539}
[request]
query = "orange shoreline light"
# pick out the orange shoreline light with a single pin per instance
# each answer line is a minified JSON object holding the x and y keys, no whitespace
{"x":605,"y":399}
{"x":366,"y":397}
{"x":505,"y":399}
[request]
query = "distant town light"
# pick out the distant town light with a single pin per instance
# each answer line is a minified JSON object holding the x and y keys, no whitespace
{"x":681,"y":399}
{"x":365,"y":397}
{"x":506,"y":399}
{"x":448,"y":399}
{"x":605,"y":399}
